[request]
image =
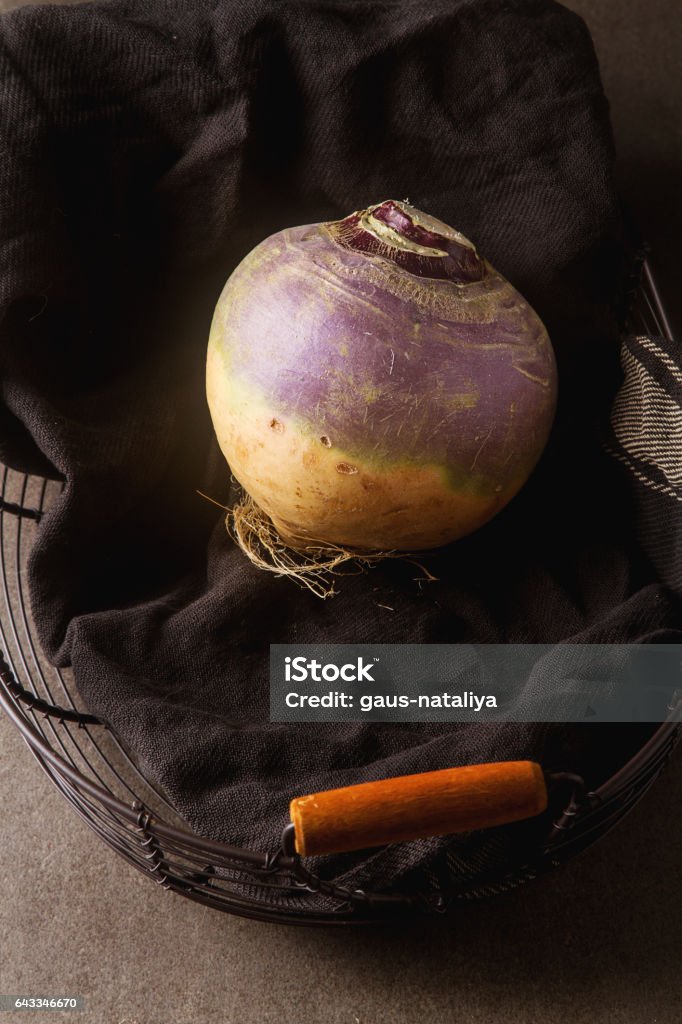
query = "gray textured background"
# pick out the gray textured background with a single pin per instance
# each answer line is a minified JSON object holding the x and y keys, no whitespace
{"x":598,"y":940}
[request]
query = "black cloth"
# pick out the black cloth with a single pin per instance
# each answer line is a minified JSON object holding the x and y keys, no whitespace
{"x":148,"y":148}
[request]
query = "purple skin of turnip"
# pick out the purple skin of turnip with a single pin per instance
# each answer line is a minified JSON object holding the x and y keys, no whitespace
{"x":375,"y":384}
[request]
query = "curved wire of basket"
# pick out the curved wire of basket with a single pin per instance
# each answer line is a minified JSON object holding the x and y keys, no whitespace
{"x":92,"y":769}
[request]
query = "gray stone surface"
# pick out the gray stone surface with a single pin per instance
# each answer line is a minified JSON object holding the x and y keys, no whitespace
{"x":639,"y":45}
{"x":597,"y":940}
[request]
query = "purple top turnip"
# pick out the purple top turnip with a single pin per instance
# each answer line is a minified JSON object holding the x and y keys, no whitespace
{"x":375,"y":384}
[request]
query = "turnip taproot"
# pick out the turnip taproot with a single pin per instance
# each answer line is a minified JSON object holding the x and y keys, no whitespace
{"x":375,"y":384}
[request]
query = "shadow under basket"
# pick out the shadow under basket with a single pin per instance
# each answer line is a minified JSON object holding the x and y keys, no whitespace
{"x":101,"y":780}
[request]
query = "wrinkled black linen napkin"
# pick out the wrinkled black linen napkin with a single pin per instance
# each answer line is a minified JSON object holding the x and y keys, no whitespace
{"x":147,"y":148}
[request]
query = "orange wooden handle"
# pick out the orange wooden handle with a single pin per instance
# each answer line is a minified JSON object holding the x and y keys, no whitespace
{"x":416,"y":806}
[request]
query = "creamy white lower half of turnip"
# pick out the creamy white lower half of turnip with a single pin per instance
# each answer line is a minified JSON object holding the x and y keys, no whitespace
{"x":375,"y":384}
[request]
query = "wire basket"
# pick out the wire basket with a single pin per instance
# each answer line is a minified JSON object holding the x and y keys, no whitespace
{"x":102,"y":782}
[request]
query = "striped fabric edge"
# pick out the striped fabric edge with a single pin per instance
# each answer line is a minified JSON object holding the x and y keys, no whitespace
{"x":646,"y":417}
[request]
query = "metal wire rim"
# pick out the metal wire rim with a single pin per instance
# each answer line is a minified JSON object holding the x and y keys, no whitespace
{"x":100,"y":779}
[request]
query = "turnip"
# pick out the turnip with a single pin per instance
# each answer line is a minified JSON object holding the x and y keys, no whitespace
{"x":375,"y":384}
